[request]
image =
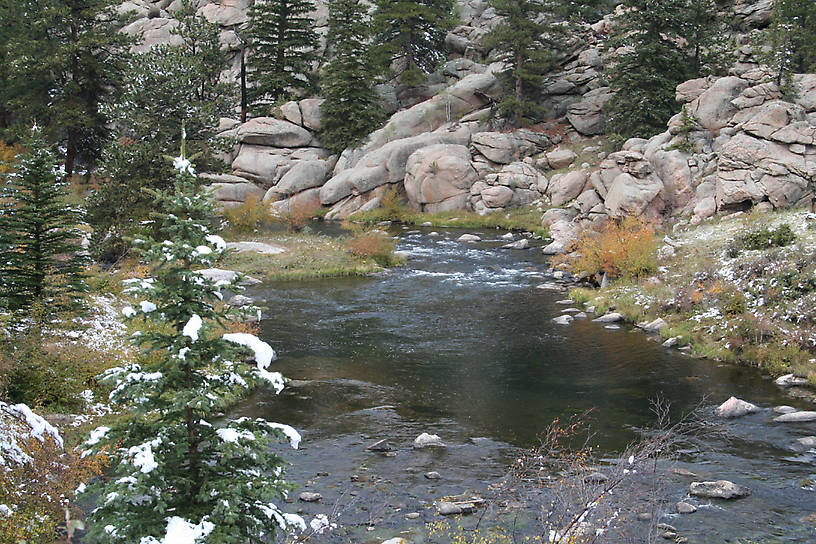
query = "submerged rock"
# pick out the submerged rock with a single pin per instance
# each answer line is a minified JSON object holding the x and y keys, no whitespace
{"x":433,"y":475}
{"x":735,"y":407}
{"x":451,"y":508}
{"x":720,"y":489}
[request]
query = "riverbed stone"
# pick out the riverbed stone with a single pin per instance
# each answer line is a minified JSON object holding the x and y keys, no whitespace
{"x":807,"y":442}
{"x":308,"y":496}
{"x":611,"y":317}
{"x":655,"y":326}
{"x":524,"y":243}
{"x":380,"y":445}
{"x":790,"y":380}
{"x":719,"y":489}
{"x":685,"y":508}
{"x":796,"y":417}
{"x":735,"y":407}
{"x":469,"y":238}
{"x":240,"y":301}
{"x":433,"y":475}
{"x":565,"y":319}
{"x":426,"y":440}
{"x":784,"y":409}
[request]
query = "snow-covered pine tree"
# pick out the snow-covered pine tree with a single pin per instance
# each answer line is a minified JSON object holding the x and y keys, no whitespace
{"x":351,"y":109}
{"x":180,"y":474}
{"x":38,"y":233}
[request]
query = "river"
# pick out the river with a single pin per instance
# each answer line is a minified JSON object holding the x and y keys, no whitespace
{"x":461,"y":343}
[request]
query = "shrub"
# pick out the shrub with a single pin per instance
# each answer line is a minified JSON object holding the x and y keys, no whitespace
{"x":50,"y":375}
{"x":37,"y":483}
{"x":764,"y":238}
{"x":374,"y":244}
{"x":249,"y":216}
{"x":622,"y":249}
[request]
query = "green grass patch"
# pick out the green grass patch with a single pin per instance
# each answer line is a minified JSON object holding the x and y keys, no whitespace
{"x":527,"y":219}
{"x":312,"y":256}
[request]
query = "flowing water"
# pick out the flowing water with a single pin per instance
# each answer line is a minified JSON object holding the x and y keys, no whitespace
{"x":460,"y":343}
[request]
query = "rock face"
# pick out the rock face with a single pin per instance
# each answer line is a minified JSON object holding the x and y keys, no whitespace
{"x":720,"y":489}
{"x":739,"y":143}
{"x":439,"y":178}
{"x":507,"y":147}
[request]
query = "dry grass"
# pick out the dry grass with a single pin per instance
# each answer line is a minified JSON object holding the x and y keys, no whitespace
{"x":249,"y":216}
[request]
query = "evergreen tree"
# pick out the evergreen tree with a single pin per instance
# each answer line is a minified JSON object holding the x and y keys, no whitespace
{"x":517,"y":41}
{"x":178,"y":467}
{"x":662,"y":43}
{"x":410,"y":36}
{"x":67,"y":60}
{"x":167,"y":86}
{"x":173,"y":84}
{"x":790,"y":40}
{"x":38,"y":234}
{"x":351,"y":109}
{"x":283,"y":43}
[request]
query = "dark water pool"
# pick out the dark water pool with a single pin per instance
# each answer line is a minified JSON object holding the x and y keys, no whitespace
{"x":461,"y":343}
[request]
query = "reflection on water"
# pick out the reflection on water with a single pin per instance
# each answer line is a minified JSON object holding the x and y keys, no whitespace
{"x":460,"y":343}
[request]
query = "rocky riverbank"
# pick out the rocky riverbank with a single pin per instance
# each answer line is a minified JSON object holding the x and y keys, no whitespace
{"x":738,"y":289}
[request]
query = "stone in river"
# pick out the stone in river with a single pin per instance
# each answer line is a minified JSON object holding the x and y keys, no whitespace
{"x":380,"y":445}
{"x":469,"y":238}
{"x":310,"y":497}
{"x":796,"y":417}
{"x":612,"y":317}
{"x":565,"y":319}
{"x":433,"y":475}
{"x":426,"y":440}
{"x":720,"y":489}
{"x":685,"y":508}
{"x":735,"y":407}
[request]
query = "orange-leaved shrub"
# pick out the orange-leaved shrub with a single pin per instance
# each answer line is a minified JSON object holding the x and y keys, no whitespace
{"x":373,"y":244}
{"x":625,"y":248}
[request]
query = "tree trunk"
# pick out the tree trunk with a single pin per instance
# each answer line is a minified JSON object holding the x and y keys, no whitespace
{"x":243,"y":85}
{"x":70,"y":153}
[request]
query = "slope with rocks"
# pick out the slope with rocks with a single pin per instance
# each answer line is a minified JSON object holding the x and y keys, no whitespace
{"x":739,"y":142}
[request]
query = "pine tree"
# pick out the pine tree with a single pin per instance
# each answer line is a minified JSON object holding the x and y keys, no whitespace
{"x":173,"y":84}
{"x":662,"y":43}
{"x":38,"y":235}
{"x":517,"y":41}
{"x":351,"y":109}
{"x":283,"y":45}
{"x":790,"y":40}
{"x":178,"y":467}
{"x":410,"y":37}
{"x":67,"y":58}
{"x":166,"y":86}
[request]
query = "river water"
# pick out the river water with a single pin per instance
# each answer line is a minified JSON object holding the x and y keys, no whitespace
{"x":461,"y":343}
